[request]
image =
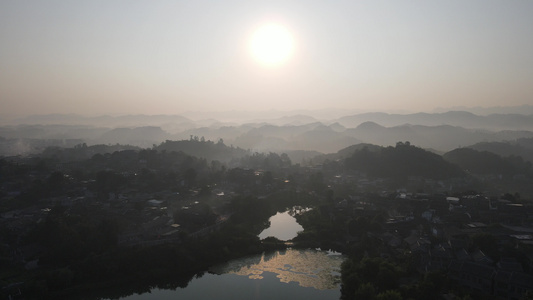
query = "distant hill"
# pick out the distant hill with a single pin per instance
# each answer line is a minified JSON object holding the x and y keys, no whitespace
{"x":204,"y":149}
{"x":344,"y":153}
{"x":300,"y":156}
{"x":502,"y":119}
{"x":348,"y":151}
{"x":266,"y":137}
{"x":484,"y":162}
{"x":453,"y":118}
{"x":139,"y":136}
{"x":82,"y":152}
{"x":311,"y":137}
{"x":521,"y":109}
{"x":402,"y":161}
{"x":329,"y":139}
{"x":299,"y":131}
{"x":323,"y":139}
{"x":521,"y":147}
{"x":442,"y":137}
{"x":213,"y":133}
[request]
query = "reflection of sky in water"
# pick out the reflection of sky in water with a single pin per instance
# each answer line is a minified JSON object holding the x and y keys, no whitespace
{"x":283,"y":226}
{"x":284,"y":275}
{"x":308,"y":268}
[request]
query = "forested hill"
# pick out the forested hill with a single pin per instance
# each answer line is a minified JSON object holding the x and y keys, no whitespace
{"x":344,"y":153}
{"x":82,"y":152}
{"x":484,"y":162}
{"x":521,"y":147}
{"x":204,"y":149}
{"x":402,"y":161}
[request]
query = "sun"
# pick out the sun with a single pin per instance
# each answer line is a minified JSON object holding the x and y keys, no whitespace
{"x":271,"y":44}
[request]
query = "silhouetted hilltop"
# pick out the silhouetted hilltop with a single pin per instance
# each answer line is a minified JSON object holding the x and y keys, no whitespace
{"x":495,"y":121}
{"x":442,"y":132}
{"x":214,"y":132}
{"x":520,"y":147}
{"x":337,"y":127}
{"x":348,"y":151}
{"x":313,"y":136}
{"x":454,"y":118}
{"x":323,"y":139}
{"x":484,"y":162}
{"x":343,"y":153}
{"x":301,"y":156}
{"x":203,"y":149}
{"x":520,"y":109}
{"x":328,"y":139}
{"x":402,"y":161}
{"x":448,"y":118}
{"x":443,"y":137}
{"x":83,"y":152}
{"x":370,"y":126}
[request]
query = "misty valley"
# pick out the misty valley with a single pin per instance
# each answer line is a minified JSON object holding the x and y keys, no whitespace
{"x":300,"y":136}
{"x":377,"y":150}
{"x":368,"y":206}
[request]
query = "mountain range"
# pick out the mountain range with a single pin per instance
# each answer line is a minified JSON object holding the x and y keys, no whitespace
{"x":440,"y":132}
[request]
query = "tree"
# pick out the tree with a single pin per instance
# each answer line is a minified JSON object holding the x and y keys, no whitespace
{"x":267,"y":178}
{"x":285,"y":160}
{"x":389,"y":295}
{"x":365,"y":291}
{"x":55,"y":181}
{"x":190,"y":176}
{"x":107,"y":182}
{"x":316,"y":182}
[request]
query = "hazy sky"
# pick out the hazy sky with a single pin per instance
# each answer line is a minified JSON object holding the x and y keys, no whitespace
{"x":168,"y":57}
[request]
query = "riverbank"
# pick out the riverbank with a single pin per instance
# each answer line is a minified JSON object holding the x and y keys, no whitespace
{"x":140,"y":268}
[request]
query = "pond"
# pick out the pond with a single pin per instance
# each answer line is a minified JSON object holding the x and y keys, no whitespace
{"x":289,"y":274}
{"x":283,"y":226}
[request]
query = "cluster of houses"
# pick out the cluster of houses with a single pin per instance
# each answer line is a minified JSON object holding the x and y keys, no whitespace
{"x":446,"y":234}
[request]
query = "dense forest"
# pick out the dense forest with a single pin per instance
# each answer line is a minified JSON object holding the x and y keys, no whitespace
{"x":402,"y":161}
{"x":484,"y":162}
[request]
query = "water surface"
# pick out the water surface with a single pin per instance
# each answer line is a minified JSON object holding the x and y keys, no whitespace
{"x":283,"y":226}
{"x":289,"y":274}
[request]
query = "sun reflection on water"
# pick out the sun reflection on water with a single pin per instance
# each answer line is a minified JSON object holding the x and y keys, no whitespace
{"x":308,"y":268}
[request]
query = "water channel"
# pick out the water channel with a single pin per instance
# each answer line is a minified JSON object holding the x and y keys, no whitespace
{"x":288,"y":274}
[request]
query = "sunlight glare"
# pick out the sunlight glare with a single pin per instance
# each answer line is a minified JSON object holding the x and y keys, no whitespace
{"x":271,"y":44}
